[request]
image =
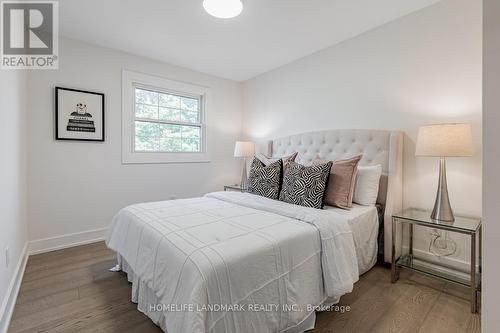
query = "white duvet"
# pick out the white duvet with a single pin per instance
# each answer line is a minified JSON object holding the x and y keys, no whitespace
{"x":234,"y":262}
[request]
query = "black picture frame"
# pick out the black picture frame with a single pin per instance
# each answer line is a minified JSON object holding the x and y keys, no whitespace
{"x":57,"y":112}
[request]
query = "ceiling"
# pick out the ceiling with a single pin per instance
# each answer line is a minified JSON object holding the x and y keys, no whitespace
{"x":268,"y":33}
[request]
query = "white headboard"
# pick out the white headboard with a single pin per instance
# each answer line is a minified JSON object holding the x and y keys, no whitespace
{"x":376,"y":146}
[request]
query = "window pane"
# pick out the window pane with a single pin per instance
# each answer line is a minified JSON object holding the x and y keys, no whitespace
{"x":146,"y":111}
{"x":146,"y":97}
{"x":146,"y":136}
{"x":191,"y":144}
{"x":190,"y":132}
{"x":146,"y":144}
{"x":146,"y":129}
{"x":170,"y":144}
{"x":170,"y":101}
{"x":189,"y":116}
{"x":190,"y":104}
{"x":170,"y":131}
{"x":170,"y":114}
{"x":191,"y":139}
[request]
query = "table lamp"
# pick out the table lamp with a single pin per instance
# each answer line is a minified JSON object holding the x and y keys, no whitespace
{"x":244,"y":149}
{"x":444,"y":140}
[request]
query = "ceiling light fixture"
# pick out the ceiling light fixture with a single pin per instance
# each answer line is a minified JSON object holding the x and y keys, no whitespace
{"x":223,"y":8}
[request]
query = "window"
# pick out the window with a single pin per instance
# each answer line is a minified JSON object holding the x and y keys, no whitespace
{"x":163,"y":120}
{"x":166,"y":122}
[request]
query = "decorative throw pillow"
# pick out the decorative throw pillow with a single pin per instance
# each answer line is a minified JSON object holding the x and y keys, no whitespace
{"x":341,"y":183}
{"x":367,"y":182}
{"x":265,"y":180}
{"x":305,"y":186}
{"x":268,"y":160}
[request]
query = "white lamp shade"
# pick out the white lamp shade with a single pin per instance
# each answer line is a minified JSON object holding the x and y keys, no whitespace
{"x":444,"y":140}
{"x":244,"y":149}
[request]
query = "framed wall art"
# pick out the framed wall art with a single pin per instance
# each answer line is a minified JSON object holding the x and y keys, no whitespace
{"x":79,"y":115}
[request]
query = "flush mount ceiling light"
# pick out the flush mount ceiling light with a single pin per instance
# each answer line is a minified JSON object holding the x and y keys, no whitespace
{"x":223,"y":8}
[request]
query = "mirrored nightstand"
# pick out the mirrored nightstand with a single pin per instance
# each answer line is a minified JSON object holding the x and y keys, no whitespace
{"x":464,"y":225}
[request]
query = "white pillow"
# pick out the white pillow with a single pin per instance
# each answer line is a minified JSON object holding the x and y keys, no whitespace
{"x":367,"y":182}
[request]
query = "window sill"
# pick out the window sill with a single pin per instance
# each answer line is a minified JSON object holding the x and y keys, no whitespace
{"x":164,"y":158}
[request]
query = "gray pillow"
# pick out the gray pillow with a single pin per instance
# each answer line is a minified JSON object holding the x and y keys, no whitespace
{"x":265,"y":180}
{"x":305,"y":186}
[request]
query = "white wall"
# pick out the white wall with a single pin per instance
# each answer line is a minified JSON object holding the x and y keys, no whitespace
{"x":79,"y":186}
{"x":491,"y":162}
{"x":422,"y":68}
{"x":13,"y":186}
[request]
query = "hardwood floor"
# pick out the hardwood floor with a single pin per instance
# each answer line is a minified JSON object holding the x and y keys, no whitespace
{"x":72,"y":290}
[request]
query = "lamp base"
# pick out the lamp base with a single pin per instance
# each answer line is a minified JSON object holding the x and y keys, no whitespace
{"x":442,"y":209}
{"x":244,"y":175}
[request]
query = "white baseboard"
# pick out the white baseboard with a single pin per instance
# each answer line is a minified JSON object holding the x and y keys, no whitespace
{"x":11,"y":296}
{"x":65,"y":241}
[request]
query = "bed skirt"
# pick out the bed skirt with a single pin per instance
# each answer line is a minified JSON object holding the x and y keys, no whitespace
{"x":146,"y":299}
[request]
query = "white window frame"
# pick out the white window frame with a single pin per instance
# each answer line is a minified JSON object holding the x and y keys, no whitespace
{"x":132,"y":80}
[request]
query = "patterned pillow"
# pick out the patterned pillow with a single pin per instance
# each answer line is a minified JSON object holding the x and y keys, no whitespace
{"x":305,"y":186}
{"x":265,"y":180}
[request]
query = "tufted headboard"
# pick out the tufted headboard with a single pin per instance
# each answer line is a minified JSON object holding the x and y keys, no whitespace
{"x":377,"y":147}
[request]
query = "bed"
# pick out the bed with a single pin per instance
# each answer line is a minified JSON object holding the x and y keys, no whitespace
{"x":237,"y":262}
{"x":364,"y":224}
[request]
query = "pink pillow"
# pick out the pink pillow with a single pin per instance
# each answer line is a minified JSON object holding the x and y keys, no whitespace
{"x":340,"y":188}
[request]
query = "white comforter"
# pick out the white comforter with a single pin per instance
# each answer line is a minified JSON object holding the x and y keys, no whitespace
{"x":235,"y":262}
